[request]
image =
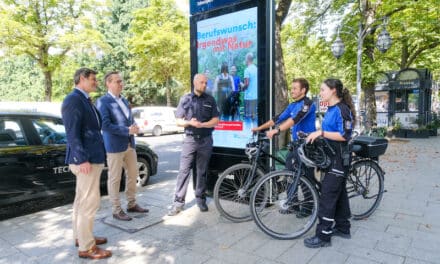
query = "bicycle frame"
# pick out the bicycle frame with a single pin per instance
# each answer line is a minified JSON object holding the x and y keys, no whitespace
{"x":255,"y":161}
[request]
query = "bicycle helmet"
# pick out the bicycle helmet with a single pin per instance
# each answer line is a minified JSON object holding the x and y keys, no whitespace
{"x":314,"y":155}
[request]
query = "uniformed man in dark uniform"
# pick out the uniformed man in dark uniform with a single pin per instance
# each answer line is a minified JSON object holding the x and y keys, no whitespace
{"x":197,"y":112}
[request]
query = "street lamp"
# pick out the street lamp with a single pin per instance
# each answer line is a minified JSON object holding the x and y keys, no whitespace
{"x":338,"y":47}
{"x":383,"y":44}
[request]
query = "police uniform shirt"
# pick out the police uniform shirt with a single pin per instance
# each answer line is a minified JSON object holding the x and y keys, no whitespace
{"x":338,"y":118}
{"x":203,"y":108}
{"x":303,"y":114}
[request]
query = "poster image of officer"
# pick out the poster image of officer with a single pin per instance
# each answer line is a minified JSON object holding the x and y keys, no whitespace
{"x":337,"y":125}
{"x":197,"y":113}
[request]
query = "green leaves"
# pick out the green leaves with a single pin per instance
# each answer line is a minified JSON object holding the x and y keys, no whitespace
{"x":160,"y":47}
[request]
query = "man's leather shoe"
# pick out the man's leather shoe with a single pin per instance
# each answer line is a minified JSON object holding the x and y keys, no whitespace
{"x":337,"y":232}
{"x":122,"y":216}
{"x":202,"y":206}
{"x":137,"y":209}
{"x":98,"y":241}
{"x":316,"y":242}
{"x":95,"y":253}
{"x":174,"y":210}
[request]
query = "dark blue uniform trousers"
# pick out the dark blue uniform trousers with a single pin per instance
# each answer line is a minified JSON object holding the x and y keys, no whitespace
{"x":196,"y":150}
{"x":334,"y":208}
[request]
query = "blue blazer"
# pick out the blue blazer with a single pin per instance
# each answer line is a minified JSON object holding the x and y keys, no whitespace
{"x":115,"y":124}
{"x":83,"y":130}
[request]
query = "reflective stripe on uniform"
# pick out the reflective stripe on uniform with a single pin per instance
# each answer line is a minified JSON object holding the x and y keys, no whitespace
{"x":337,"y":171}
{"x":328,"y":219}
{"x":327,"y":232}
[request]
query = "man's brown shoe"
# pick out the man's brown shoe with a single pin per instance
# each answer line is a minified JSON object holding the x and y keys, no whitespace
{"x":98,"y":241}
{"x":95,"y":253}
{"x":122,"y":216}
{"x":137,"y":209}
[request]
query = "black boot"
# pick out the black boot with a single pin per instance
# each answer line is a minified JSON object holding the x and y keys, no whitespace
{"x":316,"y":242}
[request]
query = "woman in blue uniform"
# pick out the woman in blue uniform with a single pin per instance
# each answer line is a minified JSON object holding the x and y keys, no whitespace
{"x":337,"y":125}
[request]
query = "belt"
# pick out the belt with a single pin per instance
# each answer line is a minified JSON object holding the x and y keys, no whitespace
{"x":197,"y":136}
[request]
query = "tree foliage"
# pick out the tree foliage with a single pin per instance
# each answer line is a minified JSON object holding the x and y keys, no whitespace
{"x":160,"y":48}
{"x":20,"y":72}
{"x":415,"y":40}
{"x":46,"y":30}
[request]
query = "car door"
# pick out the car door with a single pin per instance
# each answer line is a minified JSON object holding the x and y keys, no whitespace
{"x":19,"y":163}
{"x":52,"y":136}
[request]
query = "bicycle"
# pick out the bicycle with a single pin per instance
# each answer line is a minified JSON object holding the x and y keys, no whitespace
{"x":284,"y":204}
{"x":234,"y":186}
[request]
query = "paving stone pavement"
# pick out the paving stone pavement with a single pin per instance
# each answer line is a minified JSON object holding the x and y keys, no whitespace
{"x":405,"y":228}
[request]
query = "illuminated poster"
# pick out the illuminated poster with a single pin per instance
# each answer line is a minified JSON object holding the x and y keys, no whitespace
{"x":227,"y":54}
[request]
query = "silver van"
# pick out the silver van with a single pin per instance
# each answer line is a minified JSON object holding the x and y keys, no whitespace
{"x":156,"y":120}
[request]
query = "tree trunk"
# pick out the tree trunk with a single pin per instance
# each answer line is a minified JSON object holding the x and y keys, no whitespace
{"x":370,"y":108}
{"x":281,"y":100}
{"x":168,"y":91}
{"x":48,"y":86}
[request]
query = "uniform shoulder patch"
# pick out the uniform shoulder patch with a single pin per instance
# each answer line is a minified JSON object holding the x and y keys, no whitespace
{"x":305,"y":108}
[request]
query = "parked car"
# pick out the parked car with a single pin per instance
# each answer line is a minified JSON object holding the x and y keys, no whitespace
{"x":156,"y":120}
{"x":32,"y":153}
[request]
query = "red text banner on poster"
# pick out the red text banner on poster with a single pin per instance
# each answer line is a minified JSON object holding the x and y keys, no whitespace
{"x":229,"y":125}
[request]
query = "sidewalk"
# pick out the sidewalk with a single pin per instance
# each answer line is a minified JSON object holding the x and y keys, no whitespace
{"x":404,"y":229}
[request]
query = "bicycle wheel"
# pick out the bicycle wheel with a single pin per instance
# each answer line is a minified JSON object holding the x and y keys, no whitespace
{"x":278,"y":211}
{"x":365,"y":186}
{"x":231,"y":195}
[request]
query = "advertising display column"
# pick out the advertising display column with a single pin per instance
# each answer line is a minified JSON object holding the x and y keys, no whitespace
{"x":229,"y":44}
{"x":227,"y":53}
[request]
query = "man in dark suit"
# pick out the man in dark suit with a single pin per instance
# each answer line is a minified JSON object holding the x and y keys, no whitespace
{"x":118,"y":130}
{"x":85,"y":155}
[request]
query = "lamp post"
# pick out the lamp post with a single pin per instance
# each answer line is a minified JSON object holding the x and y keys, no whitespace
{"x":383,"y":44}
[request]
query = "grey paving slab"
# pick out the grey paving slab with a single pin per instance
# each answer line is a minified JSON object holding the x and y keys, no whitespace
{"x":371,"y":254}
{"x":328,"y":256}
{"x":359,"y":260}
{"x":424,"y":255}
{"x":415,"y":261}
{"x":17,"y":259}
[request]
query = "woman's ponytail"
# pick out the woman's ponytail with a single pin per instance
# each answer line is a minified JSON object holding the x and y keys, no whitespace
{"x":346,"y":98}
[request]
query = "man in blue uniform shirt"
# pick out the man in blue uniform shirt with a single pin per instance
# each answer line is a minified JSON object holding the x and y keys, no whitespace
{"x":298,"y":116}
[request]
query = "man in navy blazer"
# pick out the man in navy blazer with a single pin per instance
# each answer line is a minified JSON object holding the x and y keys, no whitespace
{"x":85,"y":155}
{"x":118,"y":129}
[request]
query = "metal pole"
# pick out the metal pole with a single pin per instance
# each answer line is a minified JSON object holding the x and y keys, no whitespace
{"x":359,"y":72}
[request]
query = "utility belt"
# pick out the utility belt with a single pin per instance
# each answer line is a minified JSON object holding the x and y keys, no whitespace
{"x":198,"y":136}
{"x":342,"y":149}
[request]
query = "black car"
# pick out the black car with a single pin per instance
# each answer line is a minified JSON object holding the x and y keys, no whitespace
{"x":32,"y":153}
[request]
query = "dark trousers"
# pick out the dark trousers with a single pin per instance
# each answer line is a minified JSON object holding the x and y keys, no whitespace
{"x":194,"y":152}
{"x":334,"y":208}
{"x":291,"y":159}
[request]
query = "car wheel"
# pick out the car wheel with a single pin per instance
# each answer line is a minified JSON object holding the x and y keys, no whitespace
{"x":144,"y":172}
{"x":157,"y":131}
